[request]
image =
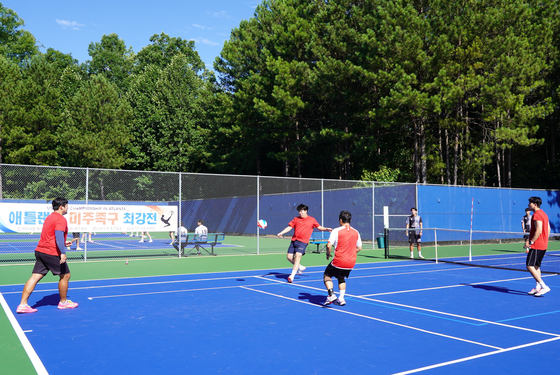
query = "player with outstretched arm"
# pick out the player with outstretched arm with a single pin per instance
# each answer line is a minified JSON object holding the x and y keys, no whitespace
{"x":303,"y":227}
{"x":347,"y":242}
{"x":50,"y":255}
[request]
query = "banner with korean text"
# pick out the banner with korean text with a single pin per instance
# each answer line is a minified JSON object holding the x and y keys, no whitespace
{"x":29,"y":217}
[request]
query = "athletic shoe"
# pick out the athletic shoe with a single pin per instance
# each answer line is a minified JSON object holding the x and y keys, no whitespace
{"x":171,"y":243}
{"x":340,"y":302}
{"x":68,"y":305}
{"x":542,"y":292}
{"x":420,"y":256}
{"x":290,"y":279}
{"x":330,"y":299}
{"x":300,"y":270}
{"x":79,"y":248}
{"x":141,"y":241}
{"x":90,"y":241}
{"x":533,"y":291}
{"x":131,"y":235}
{"x":198,"y":253}
{"x":25,"y":309}
{"x":67,"y":247}
{"x":411,"y":256}
{"x":151,"y":241}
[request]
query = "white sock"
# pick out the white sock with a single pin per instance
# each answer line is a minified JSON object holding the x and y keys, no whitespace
{"x":341,"y":294}
{"x":543,"y":285}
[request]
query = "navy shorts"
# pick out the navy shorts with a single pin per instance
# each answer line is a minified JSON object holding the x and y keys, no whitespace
{"x":46,"y":262}
{"x":535,"y":257}
{"x":297,"y":247}
{"x":414,"y":238}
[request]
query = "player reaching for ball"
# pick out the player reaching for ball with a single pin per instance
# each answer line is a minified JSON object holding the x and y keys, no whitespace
{"x":347,"y":242}
{"x":303,"y":227}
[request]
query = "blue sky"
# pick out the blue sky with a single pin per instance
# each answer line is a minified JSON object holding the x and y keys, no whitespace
{"x":70,"y":26}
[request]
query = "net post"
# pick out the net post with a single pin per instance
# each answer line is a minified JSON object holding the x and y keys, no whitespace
{"x":386,"y":241}
{"x":470,"y":236}
{"x":435,"y":242}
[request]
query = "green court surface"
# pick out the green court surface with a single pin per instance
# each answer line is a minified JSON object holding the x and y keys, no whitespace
{"x":14,"y":360}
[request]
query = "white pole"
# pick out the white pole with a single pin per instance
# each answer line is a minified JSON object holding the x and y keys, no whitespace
{"x":435,"y":239}
{"x":470,"y":237}
{"x":322,"y":205}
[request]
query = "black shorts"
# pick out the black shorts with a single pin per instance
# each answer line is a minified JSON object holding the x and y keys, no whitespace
{"x":535,"y":257}
{"x":338,"y":273}
{"x":414,"y":238}
{"x":75,"y":235}
{"x":45,"y":263}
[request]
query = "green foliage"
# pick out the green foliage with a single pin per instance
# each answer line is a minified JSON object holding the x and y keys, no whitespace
{"x":15,"y":43}
{"x":384,"y":174}
{"x":94,"y":131}
{"x":168,"y":105}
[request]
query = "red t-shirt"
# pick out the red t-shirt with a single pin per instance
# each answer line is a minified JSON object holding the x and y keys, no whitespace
{"x":542,"y":242}
{"x":47,"y":243}
{"x":346,"y":240}
{"x":303,"y":228}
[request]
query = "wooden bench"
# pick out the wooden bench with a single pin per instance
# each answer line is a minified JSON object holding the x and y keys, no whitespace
{"x":320,"y":239}
{"x":200,"y":241}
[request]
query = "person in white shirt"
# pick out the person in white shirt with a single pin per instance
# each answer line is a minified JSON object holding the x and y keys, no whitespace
{"x":201,"y":234}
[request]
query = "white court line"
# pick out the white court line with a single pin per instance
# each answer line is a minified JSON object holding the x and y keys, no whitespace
{"x":476,"y":356}
{"x":35,"y":360}
{"x":450,"y":286}
{"x":174,"y":291}
{"x":376,"y":319}
{"x":431,"y":311}
{"x":137,"y":284}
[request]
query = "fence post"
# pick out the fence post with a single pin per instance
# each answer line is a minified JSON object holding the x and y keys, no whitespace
{"x":87,"y":199}
{"x":373,"y":215}
{"x":322,"y":204}
{"x":180,"y":218}
{"x":258,"y":211}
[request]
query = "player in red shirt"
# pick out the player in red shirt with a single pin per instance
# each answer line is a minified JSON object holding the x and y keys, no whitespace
{"x":537,"y":243}
{"x":348,"y":243}
{"x":303,"y":227}
{"x":50,"y":255}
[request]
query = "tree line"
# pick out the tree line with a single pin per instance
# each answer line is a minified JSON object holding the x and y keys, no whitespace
{"x":435,"y":91}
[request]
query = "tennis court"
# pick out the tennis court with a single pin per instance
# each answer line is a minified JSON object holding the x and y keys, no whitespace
{"x":239,"y":315}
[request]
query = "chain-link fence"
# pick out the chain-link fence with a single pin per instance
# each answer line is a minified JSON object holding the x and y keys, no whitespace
{"x":226,"y":204}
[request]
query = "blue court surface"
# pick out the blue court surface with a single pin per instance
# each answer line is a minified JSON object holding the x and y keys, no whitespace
{"x":401,"y":317}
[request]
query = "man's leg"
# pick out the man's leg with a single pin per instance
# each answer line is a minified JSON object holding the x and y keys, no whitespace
{"x":63,"y":287}
{"x":420,"y":250}
{"x":411,"y":250}
{"x":30,"y":287}
{"x":295,"y":260}
{"x":342,"y":289}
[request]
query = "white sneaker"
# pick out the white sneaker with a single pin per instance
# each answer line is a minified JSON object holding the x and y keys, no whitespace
{"x":533,"y":291}
{"x":411,"y":256}
{"x":141,"y":241}
{"x":340,"y":302}
{"x":330,"y":299}
{"x":151,"y":241}
{"x":301,"y":269}
{"x":542,"y":292}
{"x":420,"y":256}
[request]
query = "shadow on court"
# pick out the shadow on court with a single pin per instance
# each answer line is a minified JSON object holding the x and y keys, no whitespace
{"x":312,"y":298}
{"x":491,"y":288}
{"x":50,"y":300}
